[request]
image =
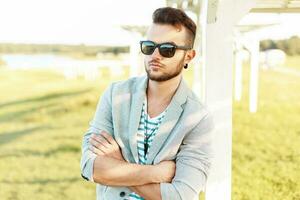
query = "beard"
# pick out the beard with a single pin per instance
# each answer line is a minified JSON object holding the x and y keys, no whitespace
{"x":164,"y":76}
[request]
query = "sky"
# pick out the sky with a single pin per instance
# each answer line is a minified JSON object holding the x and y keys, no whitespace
{"x":90,"y":22}
{"x":72,"y":21}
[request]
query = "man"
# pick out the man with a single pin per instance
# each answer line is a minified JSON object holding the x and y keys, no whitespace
{"x":150,"y":137}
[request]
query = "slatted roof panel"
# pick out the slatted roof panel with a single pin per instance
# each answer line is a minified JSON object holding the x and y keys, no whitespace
{"x":262,"y":6}
{"x":277,"y":6}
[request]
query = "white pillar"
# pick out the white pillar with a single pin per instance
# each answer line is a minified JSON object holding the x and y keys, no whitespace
{"x":203,"y":23}
{"x":197,"y":83}
{"x":254,"y":70}
{"x":134,"y":55}
{"x":199,"y":61}
{"x":238,"y":81}
{"x":218,"y":92}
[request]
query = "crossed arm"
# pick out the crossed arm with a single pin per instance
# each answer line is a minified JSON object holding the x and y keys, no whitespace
{"x":110,"y":168}
{"x":192,"y":165}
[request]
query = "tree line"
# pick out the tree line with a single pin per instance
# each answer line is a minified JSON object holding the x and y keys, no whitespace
{"x":290,"y":46}
{"x":60,"y":48}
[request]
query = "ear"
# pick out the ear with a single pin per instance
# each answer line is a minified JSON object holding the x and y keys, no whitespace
{"x":189,"y":55}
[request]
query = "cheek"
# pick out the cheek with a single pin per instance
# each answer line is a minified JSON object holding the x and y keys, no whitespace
{"x":147,"y":59}
{"x":179,"y":55}
{"x":173,"y":61}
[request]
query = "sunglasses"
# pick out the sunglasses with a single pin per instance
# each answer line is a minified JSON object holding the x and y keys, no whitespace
{"x":166,"y":49}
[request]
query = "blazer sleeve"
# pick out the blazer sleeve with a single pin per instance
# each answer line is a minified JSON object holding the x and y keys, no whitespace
{"x":193,"y":162}
{"x":102,"y":120}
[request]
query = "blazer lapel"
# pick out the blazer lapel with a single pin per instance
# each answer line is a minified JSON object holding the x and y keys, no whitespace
{"x":138,"y":97}
{"x":173,"y":113}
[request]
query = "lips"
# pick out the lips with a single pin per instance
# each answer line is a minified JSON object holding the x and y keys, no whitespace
{"x":155,"y":64}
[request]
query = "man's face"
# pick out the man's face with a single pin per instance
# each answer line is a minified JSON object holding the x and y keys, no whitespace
{"x":160,"y":68}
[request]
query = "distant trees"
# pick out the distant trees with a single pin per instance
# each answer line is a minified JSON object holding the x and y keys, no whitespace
{"x":290,"y":46}
{"x":59,"y":48}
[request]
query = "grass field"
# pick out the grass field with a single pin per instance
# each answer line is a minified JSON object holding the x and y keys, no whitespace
{"x":293,"y":62}
{"x":266,"y":145}
{"x":43,"y":118}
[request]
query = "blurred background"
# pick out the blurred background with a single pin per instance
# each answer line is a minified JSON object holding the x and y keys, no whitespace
{"x":57,"y":57}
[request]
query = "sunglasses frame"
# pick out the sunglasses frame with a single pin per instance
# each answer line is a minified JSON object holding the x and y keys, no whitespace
{"x":159,"y":45}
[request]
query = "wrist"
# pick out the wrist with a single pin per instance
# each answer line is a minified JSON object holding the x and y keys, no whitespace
{"x":153,"y":174}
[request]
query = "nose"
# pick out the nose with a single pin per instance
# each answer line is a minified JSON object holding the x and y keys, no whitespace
{"x":156,"y":54}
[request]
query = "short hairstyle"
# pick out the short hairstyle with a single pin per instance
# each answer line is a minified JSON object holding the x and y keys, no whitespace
{"x":176,"y":17}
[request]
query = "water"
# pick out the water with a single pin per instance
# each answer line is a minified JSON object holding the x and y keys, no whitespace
{"x":70,"y":67}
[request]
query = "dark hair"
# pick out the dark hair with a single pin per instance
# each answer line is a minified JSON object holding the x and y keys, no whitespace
{"x":176,"y":17}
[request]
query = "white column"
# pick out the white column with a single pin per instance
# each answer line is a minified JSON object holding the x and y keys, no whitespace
{"x":254,"y":70}
{"x":203,"y":23}
{"x":218,"y":92}
{"x":134,"y":55}
{"x":238,"y":81}
{"x":199,"y":45}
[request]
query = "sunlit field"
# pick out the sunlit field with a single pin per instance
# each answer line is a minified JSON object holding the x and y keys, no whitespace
{"x":266,"y":145}
{"x":293,"y":62}
{"x":43,"y":118}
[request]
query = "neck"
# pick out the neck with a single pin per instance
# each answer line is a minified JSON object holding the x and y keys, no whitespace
{"x":163,"y":90}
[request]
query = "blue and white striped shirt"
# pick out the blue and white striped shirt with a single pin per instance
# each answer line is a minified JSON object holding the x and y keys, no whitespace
{"x":146,"y":132}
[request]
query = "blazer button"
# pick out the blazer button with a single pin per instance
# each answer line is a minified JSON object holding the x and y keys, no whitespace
{"x":122,"y":194}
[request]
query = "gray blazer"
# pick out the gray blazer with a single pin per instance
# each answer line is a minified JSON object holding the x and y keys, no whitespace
{"x":185,"y":136}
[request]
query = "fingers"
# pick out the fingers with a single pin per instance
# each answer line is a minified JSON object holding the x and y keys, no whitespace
{"x":108,"y":137}
{"x":96,"y":150}
{"x":96,"y":144}
{"x":103,"y":144}
{"x":100,"y":140}
{"x":99,"y":146}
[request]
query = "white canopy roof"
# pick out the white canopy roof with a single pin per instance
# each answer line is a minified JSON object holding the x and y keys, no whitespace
{"x":277,"y":6}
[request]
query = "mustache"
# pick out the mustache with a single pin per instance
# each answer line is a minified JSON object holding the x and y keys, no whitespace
{"x":152,"y":62}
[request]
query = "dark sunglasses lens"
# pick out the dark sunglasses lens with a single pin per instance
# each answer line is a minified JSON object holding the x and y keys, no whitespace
{"x":147,"y":47}
{"x":167,"y":50}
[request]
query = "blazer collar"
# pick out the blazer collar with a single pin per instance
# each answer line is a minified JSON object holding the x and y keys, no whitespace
{"x":172,"y":115}
{"x":179,"y":97}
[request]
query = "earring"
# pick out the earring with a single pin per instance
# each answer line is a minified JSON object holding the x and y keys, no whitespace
{"x":185,"y":66}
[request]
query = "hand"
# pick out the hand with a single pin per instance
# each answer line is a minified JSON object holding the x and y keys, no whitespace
{"x":166,"y":171}
{"x":104,"y":144}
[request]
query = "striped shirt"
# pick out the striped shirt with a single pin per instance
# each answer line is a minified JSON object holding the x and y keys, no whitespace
{"x":146,"y":132}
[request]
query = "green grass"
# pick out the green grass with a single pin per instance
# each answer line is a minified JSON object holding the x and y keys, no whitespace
{"x":293,"y":62}
{"x":42,"y":121}
{"x":266,"y":145}
{"x":43,"y":118}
